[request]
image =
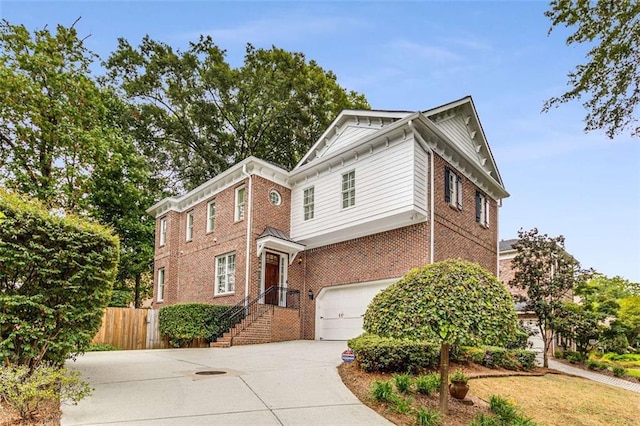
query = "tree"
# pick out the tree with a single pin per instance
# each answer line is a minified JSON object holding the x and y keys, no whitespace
{"x":450,"y":302}
{"x":609,"y":82}
{"x":56,"y":275}
{"x":629,"y":317}
{"x":579,"y":325}
{"x":202,"y":116}
{"x":548,"y":274}
{"x":52,"y":131}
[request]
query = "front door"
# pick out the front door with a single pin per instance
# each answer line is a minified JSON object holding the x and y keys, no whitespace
{"x":271,"y":278}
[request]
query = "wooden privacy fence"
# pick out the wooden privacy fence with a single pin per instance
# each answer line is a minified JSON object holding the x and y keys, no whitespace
{"x":130,"y":328}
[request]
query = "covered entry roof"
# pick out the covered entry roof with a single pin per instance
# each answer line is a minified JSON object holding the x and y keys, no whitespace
{"x":278,"y":240}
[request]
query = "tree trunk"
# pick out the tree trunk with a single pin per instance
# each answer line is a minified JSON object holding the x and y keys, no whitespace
{"x":444,"y":378}
{"x":136,"y":297}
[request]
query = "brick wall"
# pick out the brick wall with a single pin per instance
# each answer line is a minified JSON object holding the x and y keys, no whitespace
{"x":457,"y":234}
{"x":285,"y":324}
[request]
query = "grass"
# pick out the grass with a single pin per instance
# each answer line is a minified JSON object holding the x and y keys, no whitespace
{"x":563,"y":400}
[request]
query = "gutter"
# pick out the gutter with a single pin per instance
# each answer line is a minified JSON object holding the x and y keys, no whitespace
{"x":247,"y":260}
{"x":424,"y":144}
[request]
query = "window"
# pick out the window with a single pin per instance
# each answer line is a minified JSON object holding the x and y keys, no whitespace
{"x":482,"y":209}
{"x":307,"y":203}
{"x":163,"y":231}
{"x":274,"y":197}
{"x":349,"y":189}
{"x":211,"y":216}
{"x":452,"y":188}
{"x":189,"y":226}
{"x":160,"y":296}
{"x":240,"y":198}
{"x":225,"y":273}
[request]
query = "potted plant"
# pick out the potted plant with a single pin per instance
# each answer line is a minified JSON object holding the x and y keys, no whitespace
{"x":458,"y":387}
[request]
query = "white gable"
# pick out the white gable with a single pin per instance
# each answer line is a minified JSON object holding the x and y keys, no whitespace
{"x":348,"y":128}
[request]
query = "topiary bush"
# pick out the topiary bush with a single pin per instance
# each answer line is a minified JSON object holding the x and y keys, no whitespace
{"x":384,"y":354}
{"x":56,"y":276}
{"x":184,"y":322}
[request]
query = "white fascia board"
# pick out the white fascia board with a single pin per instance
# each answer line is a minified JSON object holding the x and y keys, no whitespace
{"x":487,"y":183}
{"x":345,"y":115}
{"x":224,"y":180}
{"x":373,"y":139}
{"x":289,"y":247}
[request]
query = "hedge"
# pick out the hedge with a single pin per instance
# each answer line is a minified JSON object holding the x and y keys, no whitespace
{"x":56,"y":276}
{"x":183,"y":322}
{"x":383,"y":354}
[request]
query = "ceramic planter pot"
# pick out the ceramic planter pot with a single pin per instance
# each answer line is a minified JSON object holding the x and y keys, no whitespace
{"x":458,"y":389}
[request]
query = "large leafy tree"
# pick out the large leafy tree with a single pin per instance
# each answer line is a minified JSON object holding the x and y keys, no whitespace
{"x":202,"y":116}
{"x":451,"y":302}
{"x":548,"y":274}
{"x":52,"y":132}
{"x":608,"y":83}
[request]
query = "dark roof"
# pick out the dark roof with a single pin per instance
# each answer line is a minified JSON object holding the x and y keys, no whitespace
{"x":506,"y":245}
{"x":273,"y":232}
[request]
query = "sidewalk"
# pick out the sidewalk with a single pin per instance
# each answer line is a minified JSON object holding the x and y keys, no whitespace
{"x":592,"y":375}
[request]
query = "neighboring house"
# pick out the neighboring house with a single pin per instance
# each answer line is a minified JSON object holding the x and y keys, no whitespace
{"x":379,"y":193}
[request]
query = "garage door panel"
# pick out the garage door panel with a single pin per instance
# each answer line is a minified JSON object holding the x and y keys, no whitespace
{"x":340,"y":310}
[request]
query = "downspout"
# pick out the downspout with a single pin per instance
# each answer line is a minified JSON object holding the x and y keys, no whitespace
{"x":248,"y":254}
{"x":431,"y":191}
{"x":498,"y":205}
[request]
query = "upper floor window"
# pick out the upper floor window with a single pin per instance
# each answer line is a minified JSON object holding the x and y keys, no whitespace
{"x":160,"y":295}
{"x":225,"y":273}
{"x":308,"y":203}
{"x":211,"y":216}
{"x":349,"y":189}
{"x":163,"y":231}
{"x":240,"y":202}
{"x":189,"y":230}
{"x":274,"y":197}
{"x":482,"y":209}
{"x":452,"y":188}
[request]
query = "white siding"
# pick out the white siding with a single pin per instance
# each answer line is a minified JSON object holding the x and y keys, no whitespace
{"x":347,"y":136}
{"x":386,"y":195}
{"x":420,"y":177}
{"x":456,"y":129}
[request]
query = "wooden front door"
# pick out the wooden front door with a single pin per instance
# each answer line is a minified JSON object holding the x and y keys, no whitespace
{"x":271,"y":278}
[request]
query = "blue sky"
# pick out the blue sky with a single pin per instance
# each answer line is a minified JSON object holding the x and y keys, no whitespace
{"x":417,"y":55}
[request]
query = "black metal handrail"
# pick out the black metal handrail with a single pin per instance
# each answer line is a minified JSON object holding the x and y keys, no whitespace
{"x":252,"y":310}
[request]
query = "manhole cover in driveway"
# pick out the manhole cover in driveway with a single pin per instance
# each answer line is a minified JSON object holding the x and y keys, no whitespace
{"x":210,"y":372}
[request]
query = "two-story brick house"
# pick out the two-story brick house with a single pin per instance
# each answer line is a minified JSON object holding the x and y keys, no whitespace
{"x":379,"y":193}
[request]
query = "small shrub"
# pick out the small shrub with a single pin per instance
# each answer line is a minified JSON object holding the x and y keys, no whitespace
{"x":619,"y":371}
{"x":482,"y":419}
{"x":507,"y":413}
{"x":574,"y":357}
{"x":459,"y":376}
{"x":558,"y":354}
{"x":25,"y":392}
{"x":426,"y":417}
{"x":401,"y":405}
{"x":382,"y":391}
{"x":183,"y":322}
{"x":428,"y":384}
{"x":403,"y":382}
{"x":633,"y":373}
{"x":382,"y":354}
{"x":527,"y":359}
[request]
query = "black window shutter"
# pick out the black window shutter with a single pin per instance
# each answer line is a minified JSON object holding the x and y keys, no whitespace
{"x":459,"y":191}
{"x":447,"y":190}
{"x":478,"y":206}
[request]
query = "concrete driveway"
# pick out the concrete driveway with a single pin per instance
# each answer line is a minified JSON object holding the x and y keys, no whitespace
{"x":288,"y":383}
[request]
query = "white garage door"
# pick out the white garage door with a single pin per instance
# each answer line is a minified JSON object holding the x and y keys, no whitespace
{"x":340,"y":310}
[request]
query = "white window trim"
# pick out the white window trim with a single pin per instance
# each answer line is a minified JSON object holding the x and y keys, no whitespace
{"x":484,"y":210}
{"x":189,"y":227}
{"x":239,"y":207}
{"x":348,"y":191}
{"x":163,"y":232}
{"x":226,"y":274}
{"x":211,"y":219}
{"x":277,"y":195}
{"x":161,"y":284}
{"x":455,"y":190}
{"x":310,"y":205}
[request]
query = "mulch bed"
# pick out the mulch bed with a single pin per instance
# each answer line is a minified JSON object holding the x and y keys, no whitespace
{"x":49,"y":414}
{"x":359,"y":383}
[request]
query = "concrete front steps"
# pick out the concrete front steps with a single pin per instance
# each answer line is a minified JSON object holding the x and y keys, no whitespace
{"x":248,"y":332}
